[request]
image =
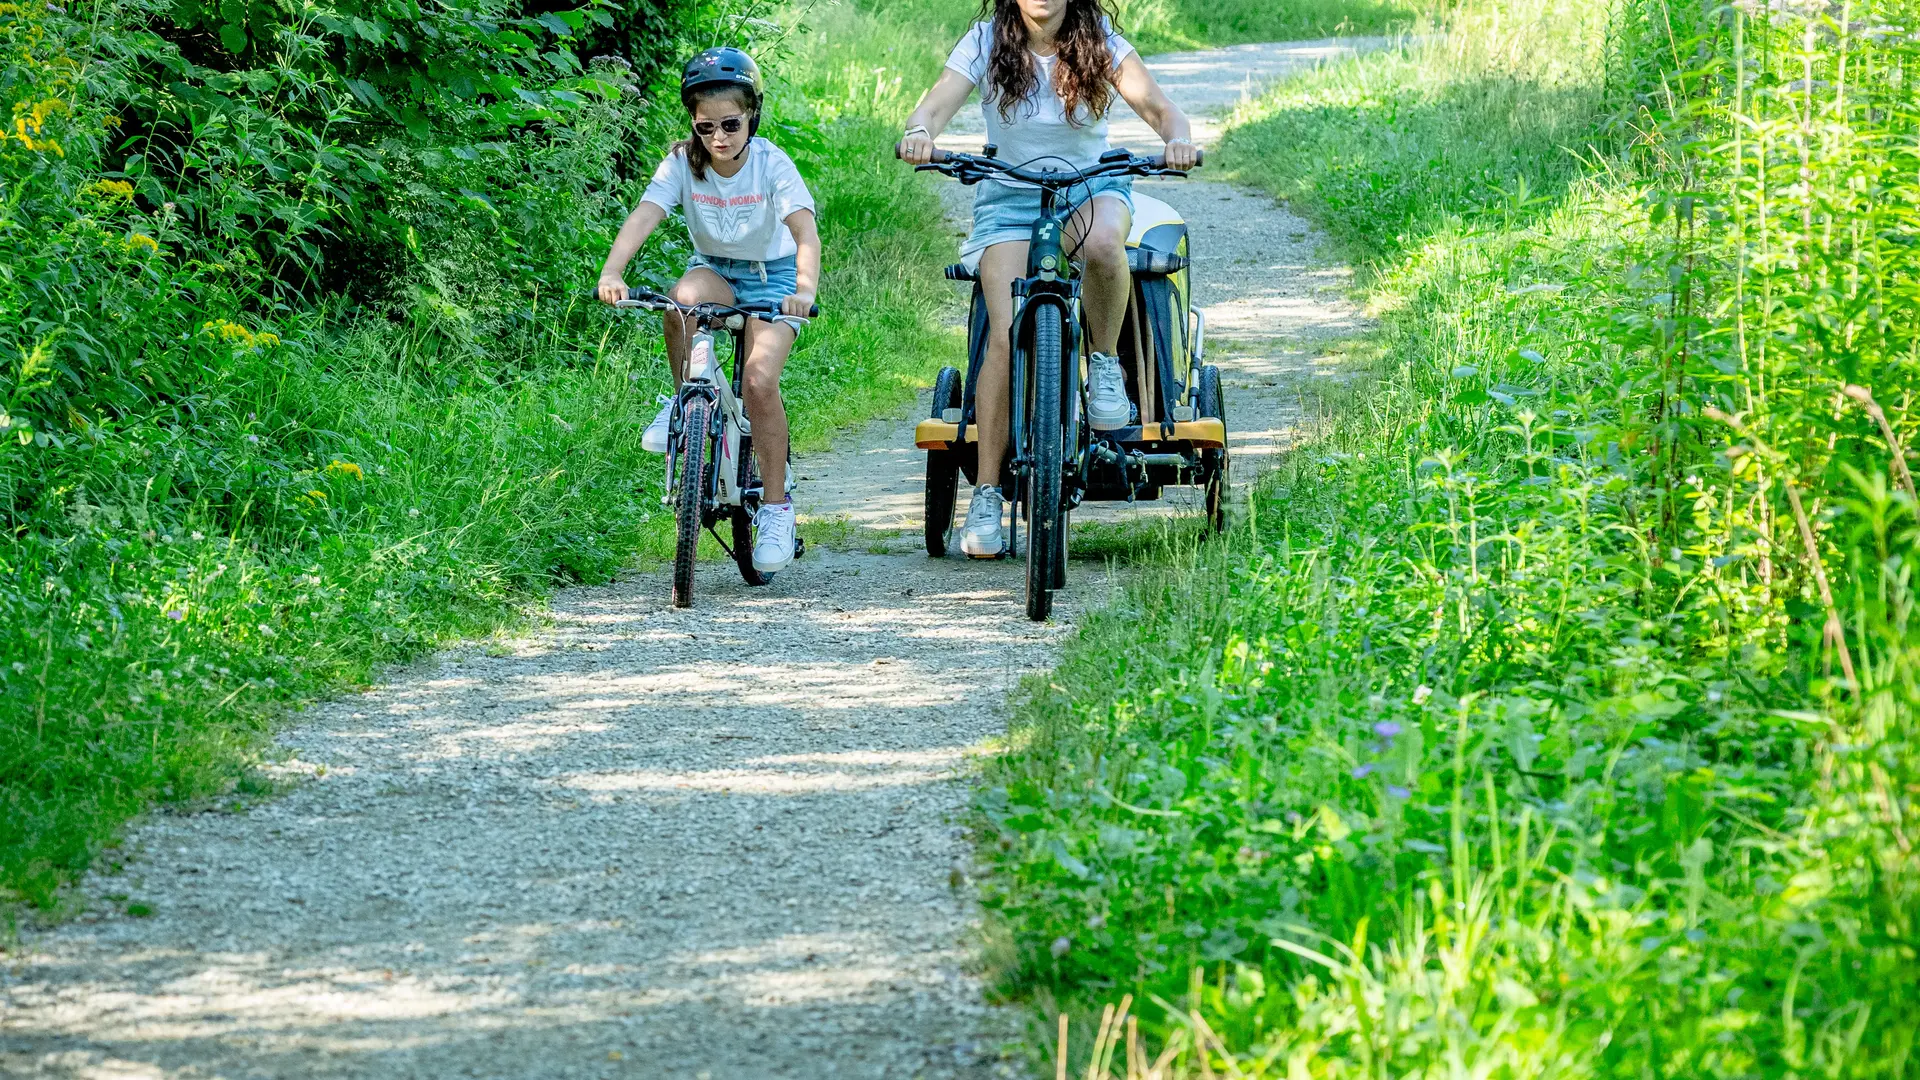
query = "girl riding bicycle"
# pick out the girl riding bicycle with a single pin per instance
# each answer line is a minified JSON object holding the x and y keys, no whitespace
{"x":1047,"y":71}
{"x":754,"y":239}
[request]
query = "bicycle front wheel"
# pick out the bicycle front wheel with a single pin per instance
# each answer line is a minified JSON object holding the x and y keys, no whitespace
{"x":689,"y":497}
{"x":1046,"y":449}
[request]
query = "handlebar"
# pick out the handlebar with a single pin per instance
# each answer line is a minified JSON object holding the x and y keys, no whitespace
{"x":972,"y":166}
{"x":653,"y":301}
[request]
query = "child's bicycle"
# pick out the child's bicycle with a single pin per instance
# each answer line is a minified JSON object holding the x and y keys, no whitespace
{"x":711,"y":472}
{"x":1056,"y":460}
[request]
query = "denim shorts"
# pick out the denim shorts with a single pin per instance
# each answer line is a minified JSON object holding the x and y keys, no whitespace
{"x":754,"y":282}
{"x":1003,"y":213}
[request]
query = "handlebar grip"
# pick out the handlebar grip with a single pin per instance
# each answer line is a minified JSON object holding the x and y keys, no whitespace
{"x":1160,"y":161}
{"x":939,"y":156}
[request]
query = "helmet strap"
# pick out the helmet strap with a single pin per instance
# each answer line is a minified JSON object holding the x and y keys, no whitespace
{"x":752,"y":127}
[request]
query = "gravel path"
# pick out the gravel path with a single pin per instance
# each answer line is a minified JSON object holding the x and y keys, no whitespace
{"x":642,"y":842}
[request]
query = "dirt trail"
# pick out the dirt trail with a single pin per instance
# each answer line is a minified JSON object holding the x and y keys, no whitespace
{"x":641,"y":842}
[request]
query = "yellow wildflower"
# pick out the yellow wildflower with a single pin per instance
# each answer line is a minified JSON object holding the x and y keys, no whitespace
{"x":346,"y":468}
{"x":30,"y":120}
{"x":141,"y":240}
{"x":233,"y":333}
{"x":111,"y":192}
{"x":317,"y":495}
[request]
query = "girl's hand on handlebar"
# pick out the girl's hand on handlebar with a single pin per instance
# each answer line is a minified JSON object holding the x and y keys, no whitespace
{"x":799,"y":305}
{"x":916,"y":148}
{"x":1182,"y":155}
{"x":612,"y":289}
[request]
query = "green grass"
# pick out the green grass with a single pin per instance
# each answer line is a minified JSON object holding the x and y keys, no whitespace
{"x":1502,"y":737}
{"x":922,"y":32}
{"x":1434,"y":133}
{"x":367,"y":488}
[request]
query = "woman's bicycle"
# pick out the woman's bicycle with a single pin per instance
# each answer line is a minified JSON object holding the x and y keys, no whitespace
{"x":1056,"y":460}
{"x":711,"y":473}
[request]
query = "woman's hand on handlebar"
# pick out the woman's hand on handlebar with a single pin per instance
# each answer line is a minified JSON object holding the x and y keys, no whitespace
{"x":915,"y":148}
{"x":612,"y":289}
{"x":1182,"y":155}
{"x":799,"y":305}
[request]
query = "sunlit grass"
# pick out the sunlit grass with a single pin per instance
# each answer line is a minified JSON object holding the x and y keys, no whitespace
{"x":367,"y":488}
{"x":1508,"y":735}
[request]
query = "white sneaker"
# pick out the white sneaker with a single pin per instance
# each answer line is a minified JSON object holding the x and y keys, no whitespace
{"x":773,"y":540}
{"x":654,"y":439}
{"x":981,"y":539}
{"x":1107,"y":404}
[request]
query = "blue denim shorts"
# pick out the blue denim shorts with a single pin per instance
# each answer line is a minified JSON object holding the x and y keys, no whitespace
{"x":1003,"y":213}
{"x":754,"y":282}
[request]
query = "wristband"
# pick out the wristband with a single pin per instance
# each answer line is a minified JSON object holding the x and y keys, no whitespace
{"x":916,"y":129}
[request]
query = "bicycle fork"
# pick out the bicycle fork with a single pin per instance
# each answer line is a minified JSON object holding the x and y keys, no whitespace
{"x":728,"y":428}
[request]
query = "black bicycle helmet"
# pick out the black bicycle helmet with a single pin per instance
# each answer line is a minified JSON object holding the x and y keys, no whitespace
{"x":724,"y":66}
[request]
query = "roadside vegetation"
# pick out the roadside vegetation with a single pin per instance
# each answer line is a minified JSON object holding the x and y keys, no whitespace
{"x":1551,"y":713}
{"x":299,"y":378}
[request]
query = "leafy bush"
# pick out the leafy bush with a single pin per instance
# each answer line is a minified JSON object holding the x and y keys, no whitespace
{"x":1551,"y":715}
{"x":267,"y":428}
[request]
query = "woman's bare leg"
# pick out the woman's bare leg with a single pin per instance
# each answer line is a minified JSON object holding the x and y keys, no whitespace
{"x":1096,"y":235}
{"x":992,"y":401}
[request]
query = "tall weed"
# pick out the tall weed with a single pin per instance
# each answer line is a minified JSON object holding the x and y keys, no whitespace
{"x":1551,"y":713}
{"x":223,"y":500}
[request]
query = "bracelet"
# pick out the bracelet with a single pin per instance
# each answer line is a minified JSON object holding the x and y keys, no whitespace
{"x":920,"y":128}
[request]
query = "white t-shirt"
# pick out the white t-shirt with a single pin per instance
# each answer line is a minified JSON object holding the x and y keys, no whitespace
{"x":743,"y":216}
{"x":1038,"y":126}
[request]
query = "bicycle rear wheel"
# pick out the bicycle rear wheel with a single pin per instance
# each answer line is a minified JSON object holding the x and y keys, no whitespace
{"x":1214,"y":463}
{"x":1046,"y":547}
{"x":943,"y":469}
{"x":743,"y":521}
{"x":689,"y":497}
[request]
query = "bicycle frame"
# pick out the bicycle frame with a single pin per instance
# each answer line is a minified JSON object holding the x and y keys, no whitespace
{"x":1051,"y":281}
{"x":705,"y":378}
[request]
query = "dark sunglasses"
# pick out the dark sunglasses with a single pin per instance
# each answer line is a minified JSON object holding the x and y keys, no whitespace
{"x":731,"y":125}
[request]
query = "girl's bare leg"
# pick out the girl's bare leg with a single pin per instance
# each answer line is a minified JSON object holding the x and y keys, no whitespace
{"x":768,"y":346}
{"x":699,"y":286}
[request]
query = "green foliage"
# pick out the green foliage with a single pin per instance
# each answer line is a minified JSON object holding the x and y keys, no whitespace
{"x":1480,"y":125}
{"x":1168,"y":25}
{"x":1515,"y":733}
{"x":928,"y":29}
{"x":230,"y":486}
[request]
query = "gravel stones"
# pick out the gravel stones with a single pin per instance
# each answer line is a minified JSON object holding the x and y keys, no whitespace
{"x":715,"y":843}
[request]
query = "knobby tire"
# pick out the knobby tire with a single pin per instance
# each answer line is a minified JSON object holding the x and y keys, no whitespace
{"x":1045,"y":544}
{"x":743,"y":522}
{"x":943,"y":469}
{"x":689,"y":498}
{"x":1213,"y":403}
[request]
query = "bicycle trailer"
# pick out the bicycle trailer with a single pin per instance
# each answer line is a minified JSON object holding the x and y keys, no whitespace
{"x":1181,"y":436}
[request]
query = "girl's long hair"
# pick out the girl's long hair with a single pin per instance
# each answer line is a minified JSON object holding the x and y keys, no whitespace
{"x":1083,"y":75}
{"x":698,"y":156}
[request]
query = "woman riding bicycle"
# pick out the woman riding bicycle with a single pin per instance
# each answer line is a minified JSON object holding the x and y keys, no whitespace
{"x":1047,"y":71}
{"x":755,"y":241}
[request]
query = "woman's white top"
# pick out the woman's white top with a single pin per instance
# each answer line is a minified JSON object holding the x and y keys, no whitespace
{"x":1038,"y":126}
{"x":743,"y":216}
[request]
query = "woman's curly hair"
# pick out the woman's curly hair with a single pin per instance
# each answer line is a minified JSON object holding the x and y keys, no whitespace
{"x":1083,"y":76}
